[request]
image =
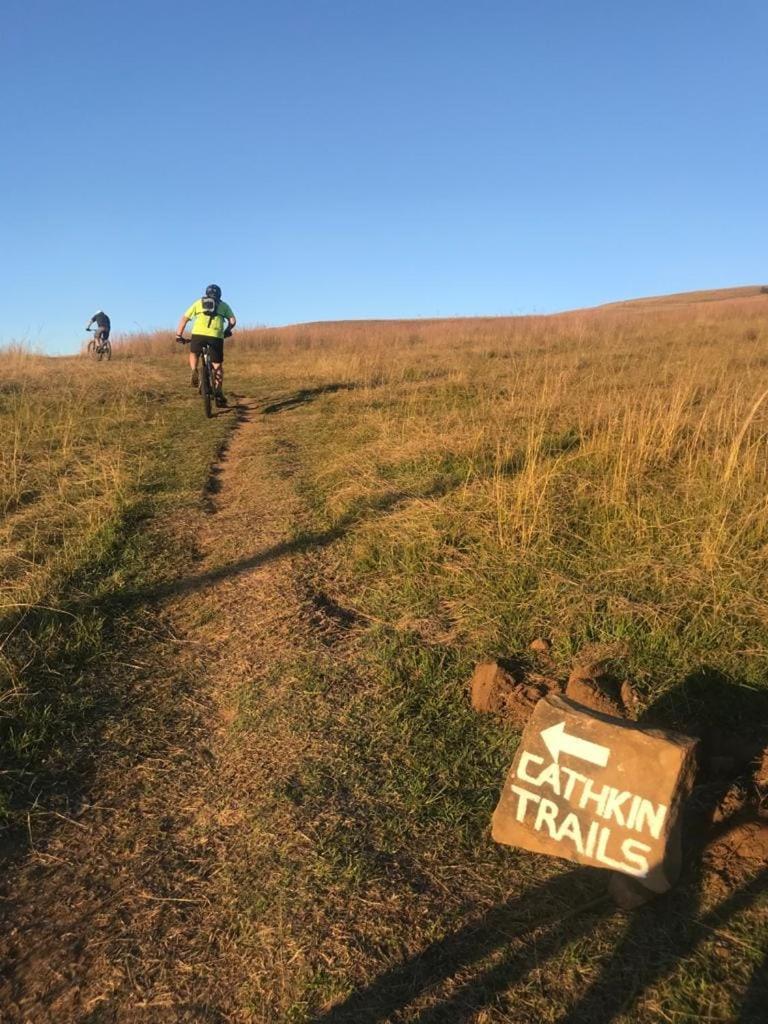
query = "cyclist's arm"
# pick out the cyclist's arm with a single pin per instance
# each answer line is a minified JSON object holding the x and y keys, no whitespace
{"x":182,"y":324}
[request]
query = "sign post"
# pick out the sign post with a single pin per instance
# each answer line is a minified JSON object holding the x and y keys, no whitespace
{"x":598,"y":790}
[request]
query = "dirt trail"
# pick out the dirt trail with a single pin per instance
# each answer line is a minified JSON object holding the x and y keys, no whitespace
{"x":128,"y":909}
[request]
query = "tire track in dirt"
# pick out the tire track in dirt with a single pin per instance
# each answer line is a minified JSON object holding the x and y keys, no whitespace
{"x":128,"y":910}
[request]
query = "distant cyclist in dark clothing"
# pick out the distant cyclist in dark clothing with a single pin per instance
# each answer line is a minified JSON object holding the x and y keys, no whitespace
{"x":102,"y":326}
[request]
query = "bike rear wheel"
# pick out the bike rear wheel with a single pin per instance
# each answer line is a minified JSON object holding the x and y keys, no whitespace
{"x":206,"y":388}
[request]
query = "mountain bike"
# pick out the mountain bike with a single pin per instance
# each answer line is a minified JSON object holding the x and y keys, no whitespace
{"x":205,"y":374}
{"x":97,"y":348}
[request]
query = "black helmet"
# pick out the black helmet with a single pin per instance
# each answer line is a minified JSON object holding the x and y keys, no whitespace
{"x":213,"y":292}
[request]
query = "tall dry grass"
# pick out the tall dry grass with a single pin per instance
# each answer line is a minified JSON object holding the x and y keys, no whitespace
{"x":67,"y":462}
{"x":601,"y":474}
{"x":602,"y":471}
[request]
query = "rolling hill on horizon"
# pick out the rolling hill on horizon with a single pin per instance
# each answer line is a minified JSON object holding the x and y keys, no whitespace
{"x":708,"y":295}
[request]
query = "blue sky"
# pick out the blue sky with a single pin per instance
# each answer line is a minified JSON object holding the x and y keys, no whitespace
{"x":323,"y":159}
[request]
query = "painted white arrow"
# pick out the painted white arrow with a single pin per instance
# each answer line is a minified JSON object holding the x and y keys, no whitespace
{"x":558,"y":742}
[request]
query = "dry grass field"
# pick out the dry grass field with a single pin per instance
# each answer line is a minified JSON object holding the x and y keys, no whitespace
{"x":596,"y":477}
{"x":447,"y":491}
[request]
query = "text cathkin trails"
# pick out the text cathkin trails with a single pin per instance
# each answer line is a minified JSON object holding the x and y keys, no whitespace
{"x":594,"y":833}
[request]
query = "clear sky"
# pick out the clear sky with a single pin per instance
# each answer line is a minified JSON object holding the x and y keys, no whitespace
{"x":325,"y":159}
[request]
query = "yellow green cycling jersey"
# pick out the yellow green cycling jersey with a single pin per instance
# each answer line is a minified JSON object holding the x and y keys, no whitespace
{"x":209,"y":327}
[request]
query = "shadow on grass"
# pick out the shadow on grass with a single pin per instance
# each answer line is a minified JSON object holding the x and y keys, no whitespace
{"x":731,"y":720}
{"x":450,"y":982}
{"x":305,"y":395}
{"x":55,"y":697}
{"x":382,"y":504}
{"x":576,"y":895}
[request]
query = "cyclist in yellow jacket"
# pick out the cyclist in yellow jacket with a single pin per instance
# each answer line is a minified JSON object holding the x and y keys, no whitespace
{"x":213,"y":322}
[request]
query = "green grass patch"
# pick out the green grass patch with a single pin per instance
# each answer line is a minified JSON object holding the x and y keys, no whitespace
{"x":110,"y":453}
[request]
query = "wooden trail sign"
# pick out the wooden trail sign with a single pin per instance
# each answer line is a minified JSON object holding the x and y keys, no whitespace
{"x":598,"y":790}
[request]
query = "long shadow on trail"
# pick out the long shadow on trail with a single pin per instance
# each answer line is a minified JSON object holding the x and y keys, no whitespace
{"x":576,"y":896}
{"x":479,"y":966}
{"x":381,"y":505}
{"x":63,"y":650}
{"x":656,"y":939}
{"x":305,"y":395}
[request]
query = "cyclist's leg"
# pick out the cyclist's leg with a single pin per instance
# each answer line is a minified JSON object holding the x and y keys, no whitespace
{"x":217,"y":349}
{"x":194,"y":357}
{"x":218,"y":383}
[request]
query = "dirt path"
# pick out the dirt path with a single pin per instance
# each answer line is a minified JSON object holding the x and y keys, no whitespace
{"x":129,"y":909}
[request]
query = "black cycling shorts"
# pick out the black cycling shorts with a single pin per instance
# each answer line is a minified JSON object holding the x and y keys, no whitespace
{"x":102,"y":334}
{"x":197,"y":341}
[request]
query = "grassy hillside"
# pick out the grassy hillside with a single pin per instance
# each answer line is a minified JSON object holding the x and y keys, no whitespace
{"x":689,"y":298}
{"x":458,"y":488}
{"x":595,"y":478}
